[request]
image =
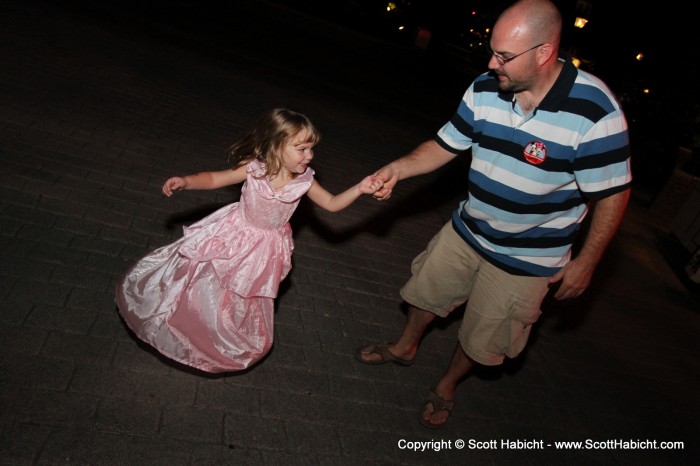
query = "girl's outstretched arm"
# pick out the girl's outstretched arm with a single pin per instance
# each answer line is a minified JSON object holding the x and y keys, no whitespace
{"x":205,"y":180}
{"x":336,"y":202}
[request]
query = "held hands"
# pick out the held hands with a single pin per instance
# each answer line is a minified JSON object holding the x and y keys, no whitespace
{"x":370,"y":185}
{"x":175,"y":183}
{"x":388,"y":179}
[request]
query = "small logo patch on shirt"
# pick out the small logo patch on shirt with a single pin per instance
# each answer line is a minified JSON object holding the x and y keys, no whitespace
{"x":535,"y":152}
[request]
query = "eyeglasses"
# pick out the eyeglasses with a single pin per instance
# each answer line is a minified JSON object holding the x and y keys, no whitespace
{"x":503,"y":60}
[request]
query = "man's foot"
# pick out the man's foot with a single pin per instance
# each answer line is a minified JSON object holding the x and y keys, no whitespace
{"x":380,"y":354}
{"x":435,"y":411}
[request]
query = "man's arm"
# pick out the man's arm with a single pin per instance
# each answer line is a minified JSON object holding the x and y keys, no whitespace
{"x":425,"y":158}
{"x":576,"y":275}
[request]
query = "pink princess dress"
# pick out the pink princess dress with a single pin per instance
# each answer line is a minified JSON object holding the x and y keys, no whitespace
{"x":207,"y":300}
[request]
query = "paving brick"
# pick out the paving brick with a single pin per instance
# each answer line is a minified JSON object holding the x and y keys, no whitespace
{"x":214,"y":455}
{"x":136,"y":420}
{"x":367,"y":445}
{"x":77,"y":226}
{"x":313,"y":438}
{"x":44,"y":234}
{"x":28,"y":216}
{"x":294,"y":336}
{"x":159,"y":450}
{"x":12,"y":312}
{"x":13,"y":195}
{"x":22,"y":268}
{"x":82,"y":445}
{"x":287,"y":356}
{"x":216,"y":393}
{"x":66,"y":320}
{"x":264,"y":433}
{"x":192,"y":424}
{"x":23,"y":371}
{"x":79,"y":349}
{"x":50,"y":254}
{"x":114,"y":266}
{"x":39,"y":292}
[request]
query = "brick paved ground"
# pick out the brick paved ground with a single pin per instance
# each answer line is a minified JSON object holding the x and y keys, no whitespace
{"x":98,"y":105}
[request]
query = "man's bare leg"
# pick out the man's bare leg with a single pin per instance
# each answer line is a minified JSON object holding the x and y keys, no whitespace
{"x":407,"y":344}
{"x":459,"y":367}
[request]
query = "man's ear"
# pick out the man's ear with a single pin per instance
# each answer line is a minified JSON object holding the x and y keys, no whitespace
{"x":544,"y":53}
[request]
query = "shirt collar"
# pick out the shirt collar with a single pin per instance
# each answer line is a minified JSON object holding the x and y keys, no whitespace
{"x":562,"y":86}
{"x":559,"y":91}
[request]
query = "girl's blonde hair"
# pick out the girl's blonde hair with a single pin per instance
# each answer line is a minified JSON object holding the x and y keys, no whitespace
{"x":266,"y":140}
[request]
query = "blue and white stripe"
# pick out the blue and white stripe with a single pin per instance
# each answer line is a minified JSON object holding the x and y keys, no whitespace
{"x":522,"y":216}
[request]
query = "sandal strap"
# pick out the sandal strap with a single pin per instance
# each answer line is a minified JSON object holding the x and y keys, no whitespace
{"x":439,"y":403}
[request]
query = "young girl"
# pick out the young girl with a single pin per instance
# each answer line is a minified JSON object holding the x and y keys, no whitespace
{"x":207,"y":300}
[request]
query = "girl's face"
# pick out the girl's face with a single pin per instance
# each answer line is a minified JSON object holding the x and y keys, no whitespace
{"x":297,"y":154}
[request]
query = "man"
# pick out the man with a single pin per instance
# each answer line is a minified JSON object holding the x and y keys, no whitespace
{"x":546,"y":140}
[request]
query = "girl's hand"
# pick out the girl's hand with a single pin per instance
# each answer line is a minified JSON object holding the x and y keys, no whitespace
{"x":175,"y":183}
{"x":370,"y":185}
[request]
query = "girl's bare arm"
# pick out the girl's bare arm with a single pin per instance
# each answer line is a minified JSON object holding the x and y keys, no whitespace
{"x":336,"y":202}
{"x":205,"y":180}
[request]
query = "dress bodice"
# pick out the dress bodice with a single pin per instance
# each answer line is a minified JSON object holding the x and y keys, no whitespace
{"x":263,"y":207}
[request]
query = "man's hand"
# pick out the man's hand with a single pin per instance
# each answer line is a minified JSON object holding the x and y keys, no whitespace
{"x":575,"y":278}
{"x":576,"y":275}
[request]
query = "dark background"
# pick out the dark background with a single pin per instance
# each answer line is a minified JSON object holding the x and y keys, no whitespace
{"x":662,"y":120}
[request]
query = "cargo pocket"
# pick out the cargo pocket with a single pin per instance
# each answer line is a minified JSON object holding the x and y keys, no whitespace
{"x":524,"y":314}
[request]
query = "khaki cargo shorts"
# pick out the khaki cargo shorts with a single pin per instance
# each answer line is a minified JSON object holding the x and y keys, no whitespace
{"x":501,"y":307}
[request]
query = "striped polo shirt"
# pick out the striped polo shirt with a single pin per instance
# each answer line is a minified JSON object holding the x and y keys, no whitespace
{"x":531,"y":177}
